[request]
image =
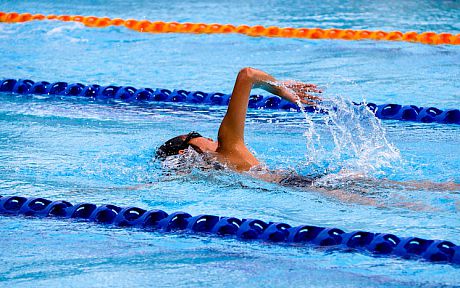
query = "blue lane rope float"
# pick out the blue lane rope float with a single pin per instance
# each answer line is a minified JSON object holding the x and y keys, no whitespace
{"x":131,"y":94}
{"x":382,"y":244}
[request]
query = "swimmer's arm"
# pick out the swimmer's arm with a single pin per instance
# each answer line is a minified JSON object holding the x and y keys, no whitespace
{"x":231,"y":130}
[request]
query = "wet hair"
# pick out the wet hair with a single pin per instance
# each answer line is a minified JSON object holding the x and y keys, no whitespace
{"x":174,"y":145}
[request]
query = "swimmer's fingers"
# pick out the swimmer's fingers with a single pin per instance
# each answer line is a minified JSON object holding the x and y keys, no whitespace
{"x":298,"y":91}
{"x":306,"y":87}
{"x":304,"y":95}
{"x":310,"y":100}
{"x":313,"y":88}
{"x":307,"y":102}
{"x":300,"y":87}
{"x":318,"y":90}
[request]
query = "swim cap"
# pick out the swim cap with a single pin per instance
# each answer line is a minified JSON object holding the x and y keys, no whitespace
{"x":174,"y":145}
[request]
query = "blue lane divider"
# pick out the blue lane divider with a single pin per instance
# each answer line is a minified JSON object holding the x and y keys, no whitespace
{"x":130,"y":94}
{"x":245,"y":229}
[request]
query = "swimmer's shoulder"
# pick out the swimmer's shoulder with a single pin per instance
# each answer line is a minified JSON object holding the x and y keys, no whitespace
{"x":239,"y":159}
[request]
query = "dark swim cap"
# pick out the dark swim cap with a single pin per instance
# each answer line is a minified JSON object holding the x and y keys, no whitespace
{"x":174,"y":145}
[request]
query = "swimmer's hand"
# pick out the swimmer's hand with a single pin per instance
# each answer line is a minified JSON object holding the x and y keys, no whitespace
{"x":293,"y":91}
{"x":298,"y":91}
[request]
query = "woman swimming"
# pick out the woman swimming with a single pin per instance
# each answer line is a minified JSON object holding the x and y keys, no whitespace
{"x":230,"y":149}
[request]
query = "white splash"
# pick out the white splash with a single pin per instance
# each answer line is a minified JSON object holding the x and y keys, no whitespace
{"x":184,"y":163}
{"x":359,"y":143}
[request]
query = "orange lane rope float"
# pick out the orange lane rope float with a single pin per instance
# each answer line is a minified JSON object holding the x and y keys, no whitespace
{"x":431,"y":38}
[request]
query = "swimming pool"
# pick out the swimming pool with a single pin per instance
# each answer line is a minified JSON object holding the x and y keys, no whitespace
{"x":81,"y":150}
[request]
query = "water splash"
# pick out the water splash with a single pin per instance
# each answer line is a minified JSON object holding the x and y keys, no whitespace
{"x":189,"y":160}
{"x":359,"y":143}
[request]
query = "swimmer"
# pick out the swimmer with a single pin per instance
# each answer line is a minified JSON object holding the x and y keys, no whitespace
{"x":231,"y":151}
{"x":230,"y":148}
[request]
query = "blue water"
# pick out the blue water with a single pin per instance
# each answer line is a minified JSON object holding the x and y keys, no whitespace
{"x":81,"y":150}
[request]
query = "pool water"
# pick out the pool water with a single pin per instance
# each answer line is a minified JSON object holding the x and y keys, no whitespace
{"x":101,"y":152}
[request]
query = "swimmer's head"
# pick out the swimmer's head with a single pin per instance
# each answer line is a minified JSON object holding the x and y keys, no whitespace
{"x":178,"y":144}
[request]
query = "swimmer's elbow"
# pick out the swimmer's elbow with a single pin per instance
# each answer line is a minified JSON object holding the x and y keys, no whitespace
{"x":247,"y":73}
{"x":257,"y":78}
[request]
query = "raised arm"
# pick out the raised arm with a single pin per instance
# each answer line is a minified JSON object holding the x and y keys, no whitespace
{"x":231,"y":131}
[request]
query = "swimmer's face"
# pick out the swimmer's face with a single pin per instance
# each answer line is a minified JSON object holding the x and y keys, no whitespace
{"x":177,"y":145}
{"x":203,"y":145}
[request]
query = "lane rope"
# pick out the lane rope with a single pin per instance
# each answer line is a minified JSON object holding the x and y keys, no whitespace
{"x":131,"y":94}
{"x":431,"y":38}
{"x":381,"y":244}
